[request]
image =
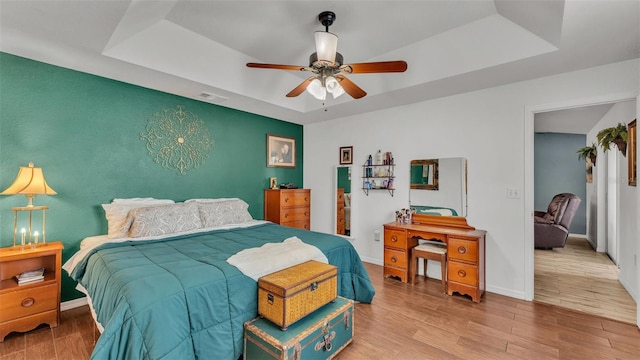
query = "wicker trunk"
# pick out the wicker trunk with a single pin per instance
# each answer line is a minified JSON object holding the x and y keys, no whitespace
{"x":320,"y":335}
{"x":288,"y":295}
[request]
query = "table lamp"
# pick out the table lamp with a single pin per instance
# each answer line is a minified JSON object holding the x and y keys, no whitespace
{"x":29,"y":182}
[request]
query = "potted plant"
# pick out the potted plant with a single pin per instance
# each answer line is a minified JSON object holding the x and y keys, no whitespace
{"x":588,"y":152}
{"x":617,"y":135}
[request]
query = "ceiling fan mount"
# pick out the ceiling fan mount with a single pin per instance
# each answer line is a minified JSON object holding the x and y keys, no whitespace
{"x":327,"y":18}
{"x":328,"y":66}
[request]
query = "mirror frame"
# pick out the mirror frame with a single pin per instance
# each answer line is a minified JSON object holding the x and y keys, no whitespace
{"x":417,"y":194}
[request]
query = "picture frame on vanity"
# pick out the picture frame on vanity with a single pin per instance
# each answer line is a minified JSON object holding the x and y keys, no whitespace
{"x":281,"y":151}
{"x":346,"y":155}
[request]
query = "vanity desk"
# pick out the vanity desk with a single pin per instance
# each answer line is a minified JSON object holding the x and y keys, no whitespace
{"x":465,"y":251}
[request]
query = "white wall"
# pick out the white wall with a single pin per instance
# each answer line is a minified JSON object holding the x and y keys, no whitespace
{"x":623,"y":112}
{"x":486,"y":127}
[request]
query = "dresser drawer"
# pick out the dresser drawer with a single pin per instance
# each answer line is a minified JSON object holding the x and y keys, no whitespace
{"x":395,"y":258}
{"x":295,"y":214}
{"x":27,"y":302}
{"x":462,"y":273}
{"x":295,"y":198}
{"x":427,"y":235}
{"x":395,"y":238}
{"x":304,"y":224}
{"x":460,"y":249}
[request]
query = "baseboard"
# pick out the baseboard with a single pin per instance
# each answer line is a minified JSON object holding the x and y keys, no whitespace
{"x":372,"y":260}
{"x":72,"y":304}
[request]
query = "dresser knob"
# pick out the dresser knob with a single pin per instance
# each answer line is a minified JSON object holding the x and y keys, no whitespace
{"x":286,"y":216}
{"x":286,"y":199}
{"x":28,"y":302}
{"x":394,"y":239}
{"x":462,"y":249}
{"x":462,"y":273}
{"x":394,"y":259}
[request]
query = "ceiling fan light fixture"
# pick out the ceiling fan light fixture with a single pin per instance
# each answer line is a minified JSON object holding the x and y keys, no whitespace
{"x":326,"y":46}
{"x":333,"y":87}
{"x":316,"y":89}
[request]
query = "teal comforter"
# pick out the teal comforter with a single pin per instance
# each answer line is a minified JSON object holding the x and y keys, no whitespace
{"x":178,"y":298}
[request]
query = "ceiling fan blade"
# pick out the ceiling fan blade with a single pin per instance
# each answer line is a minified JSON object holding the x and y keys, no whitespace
{"x":277,"y":66}
{"x":300,"y":88}
{"x":375,"y":67}
{"x":350,"y":87}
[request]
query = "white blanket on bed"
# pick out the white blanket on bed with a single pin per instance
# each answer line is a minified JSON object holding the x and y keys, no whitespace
{"x":271,"y":257}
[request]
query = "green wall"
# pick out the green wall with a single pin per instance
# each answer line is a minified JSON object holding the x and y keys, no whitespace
{"x":84,"y":131}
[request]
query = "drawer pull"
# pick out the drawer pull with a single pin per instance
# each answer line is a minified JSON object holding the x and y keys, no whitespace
{"x":394,"y":259}
{"x":306,"y":199}
{"x":286,"y":216}
{"x":462,"y":273}
{"x":286,"y":200}
{"x":28,"y":302}
{"x":462,"y":249}
{"x":394,"y":239}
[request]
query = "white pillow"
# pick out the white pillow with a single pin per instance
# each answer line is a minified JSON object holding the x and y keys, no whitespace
{"x":223,"y":212}
{"x":163,"y":220}
{"x":116,"y":214}
{"x":212,"y":200}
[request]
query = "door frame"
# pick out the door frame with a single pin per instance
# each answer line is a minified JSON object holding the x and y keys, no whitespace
{"x":529,"y":114}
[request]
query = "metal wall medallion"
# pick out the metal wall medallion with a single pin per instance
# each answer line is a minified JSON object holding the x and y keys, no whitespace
{"x":177,"y":139}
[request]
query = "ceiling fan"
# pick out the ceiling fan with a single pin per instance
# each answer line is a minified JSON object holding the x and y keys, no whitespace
{"x":328,"y":68}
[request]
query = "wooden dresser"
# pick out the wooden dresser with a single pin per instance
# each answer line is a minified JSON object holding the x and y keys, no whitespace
{"x":24,"y":307}
{"x":465,"y":251}
{"x":340,"y":212}
{"x":288,"y":207}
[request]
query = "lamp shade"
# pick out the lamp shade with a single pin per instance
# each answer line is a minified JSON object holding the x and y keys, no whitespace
{"x":326,"y":46}
{"x":333,"y":87}
{"x":316,"y":89}
{"x":29,"y":182}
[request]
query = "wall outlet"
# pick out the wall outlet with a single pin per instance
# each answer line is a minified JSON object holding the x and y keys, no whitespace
{"x":376,"y":235}
{"x":513,"y":193}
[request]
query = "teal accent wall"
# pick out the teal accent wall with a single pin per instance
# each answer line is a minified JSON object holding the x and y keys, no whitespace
{"x":84,"y":131}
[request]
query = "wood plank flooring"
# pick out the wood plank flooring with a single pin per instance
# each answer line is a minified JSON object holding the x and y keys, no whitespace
{"x":579,"y":278}
{"x":407,"y":322}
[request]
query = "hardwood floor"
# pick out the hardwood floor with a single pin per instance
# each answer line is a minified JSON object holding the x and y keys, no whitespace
{"x":579,"y":278}
{"x":407,"y":322}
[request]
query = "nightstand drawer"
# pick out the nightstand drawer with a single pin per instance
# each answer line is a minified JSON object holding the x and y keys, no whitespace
{"x":27,"y":302}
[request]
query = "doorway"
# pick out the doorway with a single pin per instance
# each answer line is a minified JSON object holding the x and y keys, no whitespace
{"x":600,"y":214}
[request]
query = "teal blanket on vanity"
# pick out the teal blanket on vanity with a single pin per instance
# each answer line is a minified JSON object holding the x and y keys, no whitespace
{"x":178,"y":298}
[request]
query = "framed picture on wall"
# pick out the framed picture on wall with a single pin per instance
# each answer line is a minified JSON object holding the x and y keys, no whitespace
{"x":346,"y":155}
{"x":281,"y":151}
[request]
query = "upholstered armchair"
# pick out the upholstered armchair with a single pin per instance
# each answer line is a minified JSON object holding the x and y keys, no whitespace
{"x":551,"y":228}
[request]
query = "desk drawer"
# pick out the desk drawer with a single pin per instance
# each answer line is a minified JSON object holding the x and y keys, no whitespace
{"x":461,"y":249}
{"x":425,"y":235}
{"x":27,"y":302}
{"x":395,"y":238}
{"x":395,"y":258}
{"x":462,"y":273}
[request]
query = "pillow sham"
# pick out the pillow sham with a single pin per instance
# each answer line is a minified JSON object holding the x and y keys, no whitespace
{"x":223,"y":212}
{"x":163,"y":220}
{"x":116,"y":213}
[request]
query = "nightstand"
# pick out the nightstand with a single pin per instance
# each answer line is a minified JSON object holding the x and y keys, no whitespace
{"x":24,"y":307}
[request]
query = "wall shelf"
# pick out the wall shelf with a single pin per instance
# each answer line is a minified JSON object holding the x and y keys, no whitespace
{"x":378,"y":177}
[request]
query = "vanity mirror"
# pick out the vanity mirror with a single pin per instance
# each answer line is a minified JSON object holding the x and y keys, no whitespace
{"x":343,"y":205}
{"x":439,"y":186}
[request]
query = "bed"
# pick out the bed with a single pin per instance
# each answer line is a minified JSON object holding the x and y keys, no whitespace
{"x":170,"y":293}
